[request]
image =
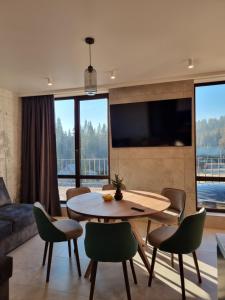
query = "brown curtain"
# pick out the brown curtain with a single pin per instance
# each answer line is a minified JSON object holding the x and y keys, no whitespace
{"x":39,"y":164}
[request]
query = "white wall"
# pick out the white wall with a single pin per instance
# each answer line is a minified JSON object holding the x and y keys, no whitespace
{"x":10,"y":141}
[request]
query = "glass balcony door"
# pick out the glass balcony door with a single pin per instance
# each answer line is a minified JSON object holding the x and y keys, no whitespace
{"x":210,"y":145}
{"x":82,"y":142}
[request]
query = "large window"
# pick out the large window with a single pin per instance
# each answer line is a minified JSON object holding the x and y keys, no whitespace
{"x":210,"y":145}
{"x":82,"y":142}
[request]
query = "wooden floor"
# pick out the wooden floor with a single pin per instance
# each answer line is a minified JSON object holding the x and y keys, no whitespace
{"x":28,"y":281}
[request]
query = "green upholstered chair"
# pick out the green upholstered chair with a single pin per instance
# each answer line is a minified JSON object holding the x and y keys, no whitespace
{"x":72,"y":193}
{"x":110,"y":243}
{"x":182,"y":240}
{"x":51,"y":219}
{"x":56,"y":231}
{"x":174,"y":214}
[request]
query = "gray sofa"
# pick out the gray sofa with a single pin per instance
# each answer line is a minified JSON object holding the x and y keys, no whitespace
{"x":17,"y":223}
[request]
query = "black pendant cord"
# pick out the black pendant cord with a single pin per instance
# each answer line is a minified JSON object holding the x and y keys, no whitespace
{"x":90,"y":53}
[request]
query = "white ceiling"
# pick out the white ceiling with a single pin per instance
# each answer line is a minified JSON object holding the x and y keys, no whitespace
{"x":145,"y":41}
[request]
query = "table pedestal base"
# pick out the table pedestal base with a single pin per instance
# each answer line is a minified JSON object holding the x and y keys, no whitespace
{"x":141,"y":248}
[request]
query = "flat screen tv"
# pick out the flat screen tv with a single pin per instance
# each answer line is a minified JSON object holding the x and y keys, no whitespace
{"x":152,"y":123}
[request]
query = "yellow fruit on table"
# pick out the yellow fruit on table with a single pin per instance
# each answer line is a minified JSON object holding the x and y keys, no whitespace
{"x":107,"y":197}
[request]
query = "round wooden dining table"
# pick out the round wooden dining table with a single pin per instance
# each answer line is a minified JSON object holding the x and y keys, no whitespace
{"x":135,"y":204}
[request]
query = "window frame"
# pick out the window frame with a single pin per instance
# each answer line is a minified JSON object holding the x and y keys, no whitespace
{"x":205,"y":178}
{"x":77,"y":176}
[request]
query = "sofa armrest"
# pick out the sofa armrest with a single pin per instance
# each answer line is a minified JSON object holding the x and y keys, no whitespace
{"x":6,"y":267}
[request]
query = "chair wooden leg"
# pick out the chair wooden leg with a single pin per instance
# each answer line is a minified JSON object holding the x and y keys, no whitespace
{"x":133,"y":270}
{"x":152,"y":266}
{"x":148,"y":230}
{"x":77,"y":256}
{"x":172,"y":260}
{"x":91,"y":266}
{"x":49,"y":261}
{"x":126,"y":279}
{"x":182,"y":276}
{"x":93,"y":277}
{"x":197,"y":267}
{"x":88,"y":270}
{"x":69,"y":248}
{"x":45,"y":253}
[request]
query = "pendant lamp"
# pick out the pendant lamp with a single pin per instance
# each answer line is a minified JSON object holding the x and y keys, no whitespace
{"x":90,"y":74}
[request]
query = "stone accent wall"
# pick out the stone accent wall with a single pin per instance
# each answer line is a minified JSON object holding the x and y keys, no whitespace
{"x":10,"y":141}
{"x":153,"y":168}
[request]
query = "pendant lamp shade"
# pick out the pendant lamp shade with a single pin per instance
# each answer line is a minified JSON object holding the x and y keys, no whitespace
{"x":90,"y":74}
{"x":90,"y":81}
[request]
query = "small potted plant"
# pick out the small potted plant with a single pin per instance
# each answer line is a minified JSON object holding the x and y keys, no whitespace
{"x":117,"y":183}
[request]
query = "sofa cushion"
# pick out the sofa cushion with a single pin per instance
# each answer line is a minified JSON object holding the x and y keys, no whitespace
{"x":21,"y":215}
{"x":4,"y":195}
{"x":6,"y":264}
{"x":5,"y":228}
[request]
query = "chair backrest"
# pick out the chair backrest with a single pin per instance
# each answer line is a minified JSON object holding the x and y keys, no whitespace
{"x":47,"y":231}
{"x":110,"y":186}
{"x":39,"y":205}
{"x":188,"y":236}
{"x":77,"y":191}
{"x":177,"y":199}
{"x":113,"y":242}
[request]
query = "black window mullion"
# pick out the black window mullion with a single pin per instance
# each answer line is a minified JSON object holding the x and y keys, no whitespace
{"x":108,"y":143}
{"x":77,"y":140}
{"x":210,"y":178}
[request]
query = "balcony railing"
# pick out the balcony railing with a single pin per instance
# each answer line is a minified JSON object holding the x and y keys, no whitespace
{"x":210,"y":182}
{"x":213,"y":166}
{"x":89,"y":166}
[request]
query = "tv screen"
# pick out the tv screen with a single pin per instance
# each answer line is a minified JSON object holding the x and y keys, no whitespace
{"x":152,"y":123}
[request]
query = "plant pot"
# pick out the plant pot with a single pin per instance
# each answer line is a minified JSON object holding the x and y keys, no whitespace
{"x":118,"y":195}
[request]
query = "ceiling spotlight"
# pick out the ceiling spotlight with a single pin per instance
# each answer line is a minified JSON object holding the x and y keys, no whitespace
{"x":190,"y":63}
{"x":112,"y":75}
{"x":50,"y":83}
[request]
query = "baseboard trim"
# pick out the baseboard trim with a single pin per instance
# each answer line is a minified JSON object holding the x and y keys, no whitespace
{"x":215,"y":221}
